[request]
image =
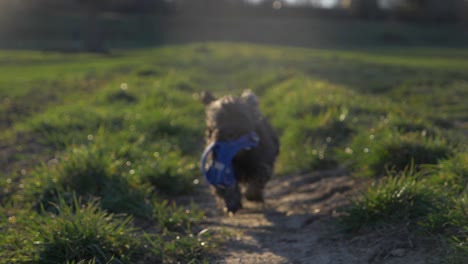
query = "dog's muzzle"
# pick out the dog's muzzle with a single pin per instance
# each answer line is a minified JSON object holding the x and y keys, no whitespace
{"x":220,"y":172}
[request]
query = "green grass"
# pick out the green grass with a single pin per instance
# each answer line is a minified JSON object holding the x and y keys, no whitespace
{"x":423,"y":202}
{"x":378,"y":151}
{"x":78,"y":232}
{"x":83,"y":232}
{"x":127,"y":129}
{"x":86,"y":172}
{"x":400,"y":200}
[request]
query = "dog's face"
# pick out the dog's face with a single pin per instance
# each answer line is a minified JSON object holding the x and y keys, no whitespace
{"x":227,"y":119}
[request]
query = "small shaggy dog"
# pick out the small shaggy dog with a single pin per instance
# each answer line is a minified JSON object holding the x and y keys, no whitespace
{"x":241,"y":146}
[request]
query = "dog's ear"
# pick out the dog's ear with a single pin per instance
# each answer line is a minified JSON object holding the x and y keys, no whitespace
{"x":250,"y":97}
{"x":206,"y":97}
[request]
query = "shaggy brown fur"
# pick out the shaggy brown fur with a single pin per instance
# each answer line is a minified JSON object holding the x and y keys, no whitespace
{"x":229,"y":118}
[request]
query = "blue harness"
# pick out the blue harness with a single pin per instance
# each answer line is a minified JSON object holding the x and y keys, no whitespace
{"x":220,"y":172}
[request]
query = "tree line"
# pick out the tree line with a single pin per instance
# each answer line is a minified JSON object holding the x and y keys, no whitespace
{"x":91,"y":32}
{"x":415,"y":10}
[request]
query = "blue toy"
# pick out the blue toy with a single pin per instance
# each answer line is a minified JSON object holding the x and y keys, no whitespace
{"x":220,"y":173}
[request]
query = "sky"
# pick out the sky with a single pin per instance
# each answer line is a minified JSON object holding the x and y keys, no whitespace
{"x":323,"y":3}
{"x":330,"y":3}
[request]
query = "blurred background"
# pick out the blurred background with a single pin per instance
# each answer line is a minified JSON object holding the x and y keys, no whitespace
{"x":97,"y":26}
{"x":99,"y":102}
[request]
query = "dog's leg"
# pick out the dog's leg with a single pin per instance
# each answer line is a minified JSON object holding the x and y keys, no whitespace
{"x":256,"y":183}
{"x":229,"y":198}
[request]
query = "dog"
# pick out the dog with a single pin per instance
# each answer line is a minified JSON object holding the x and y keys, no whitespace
{"x":242,"y":147}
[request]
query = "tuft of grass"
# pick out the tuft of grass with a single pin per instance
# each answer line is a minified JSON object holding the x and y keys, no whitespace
{"x":452,"y":226}
{"x":85,"y":233}
{"x":80,"y":233}
{"x":419,"y":200}
{"x":374,"y":152}
{"x":395,"y":200}
{"x":458,"y":230}
{"x":86,"y":171}
{"x":451,"y":172}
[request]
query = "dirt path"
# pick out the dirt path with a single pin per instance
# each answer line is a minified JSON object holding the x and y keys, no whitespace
{"x":295,"y":226}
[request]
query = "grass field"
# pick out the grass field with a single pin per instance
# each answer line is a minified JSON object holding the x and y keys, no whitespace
{"x":94,"y":149}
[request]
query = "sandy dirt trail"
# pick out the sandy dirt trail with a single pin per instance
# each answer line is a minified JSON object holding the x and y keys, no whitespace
{"x":296,"y":225}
